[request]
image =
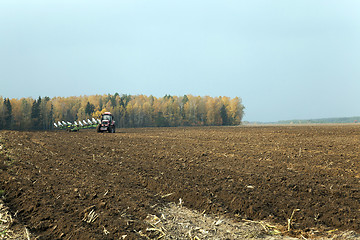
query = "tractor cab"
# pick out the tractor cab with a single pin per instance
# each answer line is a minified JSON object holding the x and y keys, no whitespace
{"x":107,"y":123}
{"x":107,"y":117}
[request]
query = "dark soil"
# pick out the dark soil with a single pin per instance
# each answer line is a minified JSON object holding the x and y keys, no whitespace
{"x":55,"y":182}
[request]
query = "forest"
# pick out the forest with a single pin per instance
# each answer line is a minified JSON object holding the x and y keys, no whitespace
{"x":128,"y":110}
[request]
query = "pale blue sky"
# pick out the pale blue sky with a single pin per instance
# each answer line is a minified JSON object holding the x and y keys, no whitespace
{"x":287,"y":59}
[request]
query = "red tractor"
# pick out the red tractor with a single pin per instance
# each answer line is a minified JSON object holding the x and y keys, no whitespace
{"x":107,"y":123}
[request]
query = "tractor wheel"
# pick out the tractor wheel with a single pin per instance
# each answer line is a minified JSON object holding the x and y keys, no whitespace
{"x":111,"y":129}
{"x":98,"y":128}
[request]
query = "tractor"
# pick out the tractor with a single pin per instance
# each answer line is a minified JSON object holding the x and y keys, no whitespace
{"x":107,"y":123}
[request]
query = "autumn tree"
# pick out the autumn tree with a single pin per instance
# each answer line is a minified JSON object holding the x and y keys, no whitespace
{"x":46,"y":113}
{"x":236,"y":111}
{"x":17,"y":117}
{"x":25,"y":110}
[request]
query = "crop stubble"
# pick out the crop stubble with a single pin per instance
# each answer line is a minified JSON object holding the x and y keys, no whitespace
{"x":87,"y":185}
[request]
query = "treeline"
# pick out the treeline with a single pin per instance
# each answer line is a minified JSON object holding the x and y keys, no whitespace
{"x":128,"y":110}
{"x":323,"y":120}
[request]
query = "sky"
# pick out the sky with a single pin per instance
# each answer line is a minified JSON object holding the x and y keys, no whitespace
{"x":286,"y":59}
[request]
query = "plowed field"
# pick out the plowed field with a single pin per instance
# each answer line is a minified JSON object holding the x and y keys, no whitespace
{"x":86,"y":185}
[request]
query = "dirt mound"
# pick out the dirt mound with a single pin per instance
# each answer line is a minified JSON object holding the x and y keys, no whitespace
{"x":87,"y":185}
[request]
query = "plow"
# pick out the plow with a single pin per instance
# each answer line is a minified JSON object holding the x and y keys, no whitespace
{"x":105,"y":124}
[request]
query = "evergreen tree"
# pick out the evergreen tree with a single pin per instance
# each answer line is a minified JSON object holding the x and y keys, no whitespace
{"x":161,"y":121}
{"x":125,"y":99}
{"x":51,"y":117}
{"x":7,"y":113}
{"x":185,"y":99}
{"x":45,"y":120}
{"x":36,"y":114}
{"x":2,"y":121}
{"x":89,"y":109}
{"x":224,"y":115}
